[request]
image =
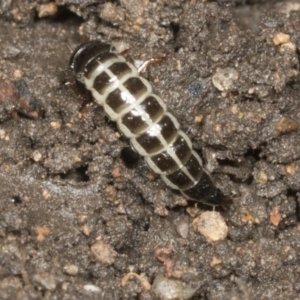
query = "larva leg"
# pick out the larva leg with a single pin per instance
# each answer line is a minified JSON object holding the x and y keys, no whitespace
{"x":146,"y":63}
{"x":83,"y":94}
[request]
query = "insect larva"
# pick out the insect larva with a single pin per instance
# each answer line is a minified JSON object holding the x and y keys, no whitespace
{"x":154,"y":133}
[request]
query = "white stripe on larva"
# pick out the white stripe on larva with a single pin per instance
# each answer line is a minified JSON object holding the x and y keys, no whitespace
{"x":126,"y":95}
{"x":153,"y":128}
{"x":172,"y":153}
{"x":126,"y":131}
{"x":101,"y":67}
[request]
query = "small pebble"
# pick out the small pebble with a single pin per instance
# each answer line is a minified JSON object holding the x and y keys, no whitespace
{"x":112,"y":14}
{"x":182,"y":227}
{"x":121,"y":46}
{"x":104,"y":252}
{"x":111,"y":194}
{"x":262,"y":177}
{"x":286,"y":125}
{"x":260,"y":91}
{"x":55,"y":125}
{"x":247,"y":217}
{"x":2,"y":134}
{"x":86,"y":230}
{"x":64,"y":286}
{"x":45,"y":281}
{"x":215,"y":261}
{"x":224,"y":78}
{"x":170,"y":289}
{"x":275,"y":215}
{"x":36,"y":155}
{"x":199,"y":118}
{"x":290,"y":170}
{"x":193,"y":211}
{"x":116,"y":172}
{"x":45,"y":194}
{"x":212,"y":225}
{"x":18,"y":74}
{"x":92,"y":288}
{"x":42,"y":232}
{"x":46,"y":10}
{"x":281,"y":38}
{"x":287,"y":47}
{"x":234,"y":109}
{"x":71,"y":270}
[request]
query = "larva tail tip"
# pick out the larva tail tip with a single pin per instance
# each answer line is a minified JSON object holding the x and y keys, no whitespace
{"x":219,"y":199}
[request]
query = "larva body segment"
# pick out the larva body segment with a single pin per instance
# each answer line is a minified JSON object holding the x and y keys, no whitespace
{"x":142,"y":116}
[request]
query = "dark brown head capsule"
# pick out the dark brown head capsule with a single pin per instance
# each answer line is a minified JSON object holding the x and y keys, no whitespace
{"x":86,"y":52}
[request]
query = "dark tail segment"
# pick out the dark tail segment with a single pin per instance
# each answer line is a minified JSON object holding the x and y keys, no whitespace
{"x":206,"y":192}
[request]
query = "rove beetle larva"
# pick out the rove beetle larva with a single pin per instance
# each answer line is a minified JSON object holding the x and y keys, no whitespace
{"x":154,"y":133}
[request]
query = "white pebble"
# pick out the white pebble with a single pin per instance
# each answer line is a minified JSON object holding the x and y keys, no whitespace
{"x":71,"y":269}
{"x":170,"y":289}
{"x":182,"y":227}
{"x":92,"y":288}
{"x":224,"y":78}
{"x":36,"y":155}
{"x":212,"y":225}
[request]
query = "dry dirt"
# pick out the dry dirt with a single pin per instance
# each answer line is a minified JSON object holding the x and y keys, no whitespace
{"x":82,"y":218}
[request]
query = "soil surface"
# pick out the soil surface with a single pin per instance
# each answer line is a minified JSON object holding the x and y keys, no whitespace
{"x":81,"y":217}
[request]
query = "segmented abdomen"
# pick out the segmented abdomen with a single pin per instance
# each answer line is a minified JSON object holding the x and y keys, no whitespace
{"x":141,"y":116}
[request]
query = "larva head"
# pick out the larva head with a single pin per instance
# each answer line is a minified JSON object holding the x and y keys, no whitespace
{"x":84,"y":53}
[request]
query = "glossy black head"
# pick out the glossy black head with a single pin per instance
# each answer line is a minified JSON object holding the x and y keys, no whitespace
{"x":85,"y":53}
